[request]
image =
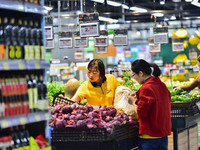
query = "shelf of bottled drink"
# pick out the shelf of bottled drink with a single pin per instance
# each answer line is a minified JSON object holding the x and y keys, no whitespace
{"x":23,"y":119}
{"x":23,"y":6}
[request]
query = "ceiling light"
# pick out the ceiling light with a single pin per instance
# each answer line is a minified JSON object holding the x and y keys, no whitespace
{"x":137,"y":9}
{"x":108,"y":19}
{"x":196,"y":3}
{"x":48,"y":8}
{"x":166,"y":19}
{"x":99,"y":1}
{"x":116,"y":4}
{"x":125,"y":6}
{"x":188,"y":0}
{"x":162,"y":2}
{"x":158,"y":14}
{"x":173,"y":17}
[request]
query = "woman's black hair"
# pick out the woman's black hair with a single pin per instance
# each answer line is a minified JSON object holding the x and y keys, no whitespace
{"x":145,"y":67}
{"x":97,"y":64}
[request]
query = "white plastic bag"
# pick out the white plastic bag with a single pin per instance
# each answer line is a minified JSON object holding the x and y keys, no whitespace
{"x":121,"y":103}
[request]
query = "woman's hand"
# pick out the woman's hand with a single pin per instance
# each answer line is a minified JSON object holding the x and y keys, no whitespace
{"x":132,"y":98}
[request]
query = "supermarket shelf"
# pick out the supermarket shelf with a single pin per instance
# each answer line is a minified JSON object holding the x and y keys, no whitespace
{"x":23,"y":65}
{"x":22,"y":6}
{"x":23,"y":119}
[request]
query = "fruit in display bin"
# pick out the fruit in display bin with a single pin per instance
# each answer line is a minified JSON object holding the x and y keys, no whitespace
{"x":88,"y":117}
{"x":180,"y":96}
{"x":71,"y":87}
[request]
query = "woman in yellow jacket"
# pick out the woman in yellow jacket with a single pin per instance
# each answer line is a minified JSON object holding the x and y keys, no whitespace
{"x":99,"y":90}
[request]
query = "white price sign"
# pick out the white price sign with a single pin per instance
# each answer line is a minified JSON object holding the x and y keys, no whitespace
{"x":89,"y":29}
{"x":101,"y":41}
{"x":196,"y":68}
{"x":120,"y":40}
{"x":154,"y":47}
{"x":101,"y":50}
{"x":78,"y":55}
{"x":193,"y":55}
{"x":161,"y":38}
{"x":48,"y":32}
{"x":177,"y":47}
{"x":80,"y":42}
{"x":65,"y":42}
{"x":127,"y":54}
{"x":182,"y":70}
{"x":49,"y":44}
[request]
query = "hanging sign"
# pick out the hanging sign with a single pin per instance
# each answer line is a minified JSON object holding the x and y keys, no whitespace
{"x":193,"y":54}
{"x":160,"y":35}
{"x":88,"y":17}
{"x":65,"y":42}
{"x":120,"y":40}
{"x":78,"y":55}
{"x":196,"y":68}
{"x":153,"y":47}
{"x":101,"y":50}
{"x":89,"y":29}
{"x":49,"y":44}
{"x":182,"y":70}
{"x":177,"y":44}
{"x":101,"y":41}
{"x":80,"y":42}
{"x":48,"y":32}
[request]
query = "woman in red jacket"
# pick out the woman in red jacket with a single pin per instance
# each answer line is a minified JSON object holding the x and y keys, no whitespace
{"x":153,"y":107}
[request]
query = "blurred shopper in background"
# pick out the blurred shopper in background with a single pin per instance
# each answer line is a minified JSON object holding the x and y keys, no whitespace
{"x":153,"y":102}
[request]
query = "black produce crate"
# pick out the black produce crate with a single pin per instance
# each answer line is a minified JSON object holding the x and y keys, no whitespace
{"x":124,"y":132}
{"x":184,"y":112}
{"x":94,"y":138}
{"x":60,"y":135}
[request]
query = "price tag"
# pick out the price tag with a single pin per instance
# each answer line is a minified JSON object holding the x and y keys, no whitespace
{"x":161,"y":38}
{"x":80,"y":42}
{"x":120,"y":40}
{"x":127,"y":54}
{"x":4,"y":124}
{"x":78,"y":55}
{"x":196,"y":68}
{"x":37,"y":66}
{"x":65,"y":42}
{"x":37,"y":117}
{"x":154,"y":47}
{"x":89,"y":29}
{"x":21,"y":66}
{"x":101,"y":50}
{"x":101,"y":41}
{"x":182,"y":70}
{"x":22,"y":120}
{"x":177,"y":47}
{"x":6,"y":66}
{"x":193,"y":55}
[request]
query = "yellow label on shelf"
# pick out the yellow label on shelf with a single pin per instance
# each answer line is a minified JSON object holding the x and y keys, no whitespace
{"x":37,"y":117}
{"x":22,"y":120}
{"x":6,"y":66}
{"x":46,"y":115}
{"x":4,"y":124}
{"x":37,"y":66}
{"x":21,"y":66}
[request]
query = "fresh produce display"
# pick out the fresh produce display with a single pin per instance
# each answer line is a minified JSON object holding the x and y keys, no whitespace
{"x":71,"y":87}
{"x":180,"y":96}
{"x":54,"y":89}
{"x":126,"y":80}
{"x":80,"y":116}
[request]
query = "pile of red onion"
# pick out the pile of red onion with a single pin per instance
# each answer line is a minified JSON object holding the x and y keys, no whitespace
{"x":80,"y":116}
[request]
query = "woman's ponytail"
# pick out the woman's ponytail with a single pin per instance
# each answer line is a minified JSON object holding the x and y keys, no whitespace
{"x":155,"y":70}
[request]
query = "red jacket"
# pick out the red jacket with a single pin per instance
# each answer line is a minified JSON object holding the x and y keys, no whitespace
{"x":154,"y":108}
